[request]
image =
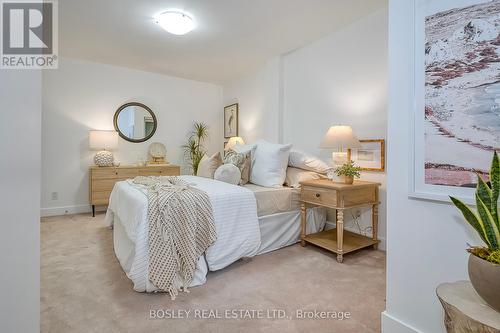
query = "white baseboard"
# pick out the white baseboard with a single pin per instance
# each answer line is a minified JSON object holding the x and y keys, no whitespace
{"x":391,"y":324}
{"x":68,"y":210}
{"x":382,"y":245}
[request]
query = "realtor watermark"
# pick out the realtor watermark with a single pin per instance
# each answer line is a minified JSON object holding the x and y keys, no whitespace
{"x":29,"y":36}
{"x":249,"y":314}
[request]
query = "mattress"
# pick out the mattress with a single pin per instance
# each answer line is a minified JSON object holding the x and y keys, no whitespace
{"x":272,"y":201}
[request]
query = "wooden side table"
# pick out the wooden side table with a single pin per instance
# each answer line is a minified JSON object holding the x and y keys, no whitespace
{"x":465,"y":311}
{"x":340,"y":197}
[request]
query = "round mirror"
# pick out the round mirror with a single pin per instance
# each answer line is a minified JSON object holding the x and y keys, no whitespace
{"x":135,"y":122}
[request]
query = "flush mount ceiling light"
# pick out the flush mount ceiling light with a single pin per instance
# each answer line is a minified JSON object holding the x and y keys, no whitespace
{"x":176,"y":22}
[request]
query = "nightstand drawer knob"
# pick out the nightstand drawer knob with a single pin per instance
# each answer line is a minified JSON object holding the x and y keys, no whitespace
{"x":318,"y":195}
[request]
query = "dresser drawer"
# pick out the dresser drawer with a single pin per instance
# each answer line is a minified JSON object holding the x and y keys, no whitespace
{"x":114,"y":173}
{"x":100,"y":197}
{"x":319,"y":195}
{"x":104,"y":184}
{"x":159,"y":171}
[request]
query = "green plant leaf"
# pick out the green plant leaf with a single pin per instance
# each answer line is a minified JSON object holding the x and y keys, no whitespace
{"x":472,"y":219}
{"x":484,"y":192}
{"x":490,"y":227}
{"x":495,"y":188}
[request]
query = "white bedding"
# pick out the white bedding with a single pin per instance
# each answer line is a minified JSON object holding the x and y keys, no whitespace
{"x":235,"y":215}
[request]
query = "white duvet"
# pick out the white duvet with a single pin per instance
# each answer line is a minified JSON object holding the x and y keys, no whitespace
{"x":236,"y":223}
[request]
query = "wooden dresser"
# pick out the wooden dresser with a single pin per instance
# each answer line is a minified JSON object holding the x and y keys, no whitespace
{"x":102,"y":179}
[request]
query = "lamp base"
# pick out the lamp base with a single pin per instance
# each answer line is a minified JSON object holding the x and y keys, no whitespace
{"x":104,"y":159}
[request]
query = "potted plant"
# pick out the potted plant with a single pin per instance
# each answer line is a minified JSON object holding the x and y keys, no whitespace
{"x":484,"y":261}
{"x":348,"y":171}
{"x":193,"y":149}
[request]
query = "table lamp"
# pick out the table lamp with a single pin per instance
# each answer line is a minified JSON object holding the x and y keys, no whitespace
{"x":340,"y":137}
{"x":104,"y":141}
{"x":233,"y":141}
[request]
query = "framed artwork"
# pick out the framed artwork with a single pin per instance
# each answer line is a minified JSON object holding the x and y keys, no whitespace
{"x":224,"y":147}
{"x":231,"y":120}
{"x":371,"y":156}
{"x":456,"y":123}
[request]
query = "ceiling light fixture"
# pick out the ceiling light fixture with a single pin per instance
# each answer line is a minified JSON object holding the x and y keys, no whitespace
{"x":176,"y":22}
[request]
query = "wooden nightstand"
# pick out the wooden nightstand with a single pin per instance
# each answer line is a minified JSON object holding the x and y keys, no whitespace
{"x":103,"y":179}
{"x":340,"y":197}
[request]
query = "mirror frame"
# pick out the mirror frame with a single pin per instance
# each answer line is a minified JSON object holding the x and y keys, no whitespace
{"x":124,"y":137}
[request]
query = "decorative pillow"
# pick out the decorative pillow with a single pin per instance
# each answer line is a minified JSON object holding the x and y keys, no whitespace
{"x":269,"y":164}
{"x":208,"y":165}
{"x":228,"y":173}
{"x":294,"y":176}
{"x":239,"y":148}
{"x":243,"y":161}
{"x":302,"y":160}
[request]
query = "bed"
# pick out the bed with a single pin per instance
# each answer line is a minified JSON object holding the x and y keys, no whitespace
{"x":250,"y":220}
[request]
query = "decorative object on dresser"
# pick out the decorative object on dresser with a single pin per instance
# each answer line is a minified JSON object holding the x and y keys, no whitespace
{"x":349,"y":171}
{"x":233,"y":141}
{"x":102,"y":180}
{"x":371,"y":155}
{"x":104,"y":141}
{"x":231,"y":120}
{"x":465,"y":311}
{"x":158,"y":153}
{"x":135,"y":122}
{"x":193,"y":148}
{"x":340,"y":197}
{"x":484,"y":261}
{"x":339,"y":138}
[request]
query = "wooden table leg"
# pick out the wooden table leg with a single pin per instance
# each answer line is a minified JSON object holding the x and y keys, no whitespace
{"x":303,"y":224}
{"x":340,"y":235}
{"x":375,"y":225}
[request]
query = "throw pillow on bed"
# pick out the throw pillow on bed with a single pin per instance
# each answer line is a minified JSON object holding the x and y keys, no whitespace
{"x":294,"y":176}
{"x":208,"y":165}
{"x":228,"y":173}
{"x":243,"y":161}
{"x":269,"y":164}
{"x":302,"y":160}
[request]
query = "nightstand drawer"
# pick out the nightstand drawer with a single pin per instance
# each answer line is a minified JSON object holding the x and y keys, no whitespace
{"x":104,"y":184}
{"x":319,"y":195}
{"x":114,"y":173}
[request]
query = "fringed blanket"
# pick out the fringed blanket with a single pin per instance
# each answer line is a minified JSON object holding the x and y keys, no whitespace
{"x":181,"y":228}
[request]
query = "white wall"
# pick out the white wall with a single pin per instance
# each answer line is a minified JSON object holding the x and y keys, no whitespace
{"x":341,"y":78}
{"x":20,"y":123}
{"x":426,"y":240}
{"x":82,"y":96}
{"x":258,"y":95}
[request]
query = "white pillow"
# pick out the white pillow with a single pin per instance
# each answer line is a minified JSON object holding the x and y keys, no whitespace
{"x":270,"y":163}
{"x":294,"y":176}
{"x":228,"y":173}
{"x":302,"y":160}
{"x":208,"y":165}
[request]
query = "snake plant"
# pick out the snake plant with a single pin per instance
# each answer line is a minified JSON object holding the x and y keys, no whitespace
{"x":486,"y":219}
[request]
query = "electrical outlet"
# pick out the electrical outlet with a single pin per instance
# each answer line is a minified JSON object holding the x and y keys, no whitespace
{"x":55,"y":195}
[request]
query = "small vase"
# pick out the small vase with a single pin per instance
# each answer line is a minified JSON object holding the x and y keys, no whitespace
{"x":348,"y":180}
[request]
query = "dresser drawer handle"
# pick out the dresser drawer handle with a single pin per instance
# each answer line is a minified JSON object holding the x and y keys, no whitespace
{"x":318,"y":195}
{"x":116,"y":172}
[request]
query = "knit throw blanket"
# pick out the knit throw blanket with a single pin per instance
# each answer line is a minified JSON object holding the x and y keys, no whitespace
{"x":181,"y":228}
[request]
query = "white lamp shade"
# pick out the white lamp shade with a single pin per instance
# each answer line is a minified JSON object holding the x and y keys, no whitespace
{"x":340,"y":137}
{"x":233,"y":141}
{"x":103,"y":140}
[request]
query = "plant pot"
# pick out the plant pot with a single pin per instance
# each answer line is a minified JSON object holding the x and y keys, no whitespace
{"x":485,"y":277}
{"x":348,"y":180}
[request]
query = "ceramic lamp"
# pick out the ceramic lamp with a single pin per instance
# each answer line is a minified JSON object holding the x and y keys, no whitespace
{"x":340,"y":137}
{"x":233,"y":141}
{"x":104,"y":141}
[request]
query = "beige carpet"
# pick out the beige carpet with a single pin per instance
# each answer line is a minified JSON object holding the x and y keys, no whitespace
{"x":85,"y":290}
